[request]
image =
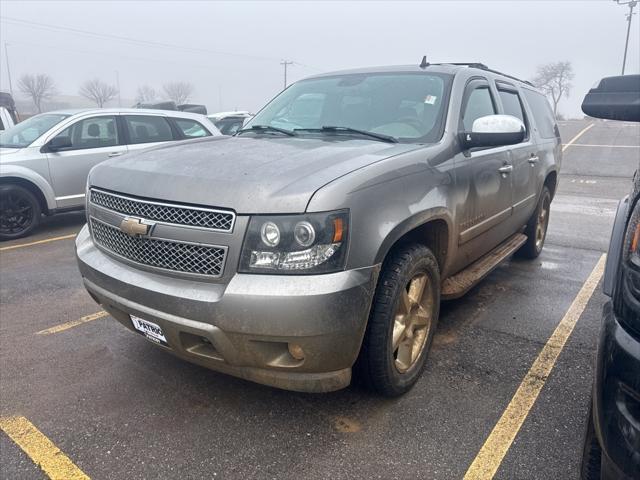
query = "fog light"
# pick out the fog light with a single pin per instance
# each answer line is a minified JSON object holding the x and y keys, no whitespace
{"x":296,"y":351}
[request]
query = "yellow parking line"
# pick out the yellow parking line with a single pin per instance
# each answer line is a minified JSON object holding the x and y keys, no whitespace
{"x":46,"y":240}
{"x":40,"y":449}
{"x":580,"y":133}
{"x":73,"y":323}
{"x":490,"y":456}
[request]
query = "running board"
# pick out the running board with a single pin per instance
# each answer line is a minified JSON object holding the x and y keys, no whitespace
{"x":459,"y":284}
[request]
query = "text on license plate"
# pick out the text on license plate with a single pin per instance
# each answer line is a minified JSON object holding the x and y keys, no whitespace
{"x":149,"y":329}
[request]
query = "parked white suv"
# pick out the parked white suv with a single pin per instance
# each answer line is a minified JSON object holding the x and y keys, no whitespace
{"x":45,"y":160}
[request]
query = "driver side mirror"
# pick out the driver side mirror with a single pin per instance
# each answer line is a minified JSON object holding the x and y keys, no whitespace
{"x":59,"y":143}
{"x":494,"y":131}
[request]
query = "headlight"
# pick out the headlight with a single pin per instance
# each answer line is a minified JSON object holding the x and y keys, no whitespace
{"x":627,"y":300}
{"x":296,"y":244}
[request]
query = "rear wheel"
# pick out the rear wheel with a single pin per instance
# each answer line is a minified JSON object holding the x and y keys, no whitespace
{"x":403,"y":319}
{"x":19,"y":212}
{"x":536,"y":229}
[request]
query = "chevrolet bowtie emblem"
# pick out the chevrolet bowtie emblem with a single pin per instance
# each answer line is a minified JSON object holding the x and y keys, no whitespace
{"x":134,"y":226}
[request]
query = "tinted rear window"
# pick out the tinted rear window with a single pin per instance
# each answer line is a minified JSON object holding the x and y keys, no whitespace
{"x":542,"y":113}
{"x":148,"y":129}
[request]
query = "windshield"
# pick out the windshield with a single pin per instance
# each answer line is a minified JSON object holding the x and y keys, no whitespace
{"x":25,"y":133}
{"x":406,"y":106}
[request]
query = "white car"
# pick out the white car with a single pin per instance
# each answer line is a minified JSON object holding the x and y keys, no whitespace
{"x":229,"y":122}
{"x":45,"y":160}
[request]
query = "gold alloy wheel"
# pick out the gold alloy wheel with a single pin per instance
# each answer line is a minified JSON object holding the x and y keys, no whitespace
{"x":541,"y":224}
{"x":412,"y":322}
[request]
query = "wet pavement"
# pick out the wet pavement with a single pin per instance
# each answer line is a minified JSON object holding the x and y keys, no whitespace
{"x":118,"y":407}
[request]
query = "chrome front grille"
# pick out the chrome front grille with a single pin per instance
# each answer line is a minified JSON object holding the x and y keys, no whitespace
{"x":218,"y":220}
{"x":159,"y":253}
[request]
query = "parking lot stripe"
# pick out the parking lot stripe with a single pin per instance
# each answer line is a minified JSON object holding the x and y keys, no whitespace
{"x":40,"y":449}
{"x":490,"y":456}
{"x":574,"y":139}
{"x":73,"y":323}
{"x":46,"y":240}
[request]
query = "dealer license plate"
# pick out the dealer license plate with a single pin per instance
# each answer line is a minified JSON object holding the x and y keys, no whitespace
{"x":150,"y":330}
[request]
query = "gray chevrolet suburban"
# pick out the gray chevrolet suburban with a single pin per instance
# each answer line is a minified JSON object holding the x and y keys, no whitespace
{"x":321,"y":238}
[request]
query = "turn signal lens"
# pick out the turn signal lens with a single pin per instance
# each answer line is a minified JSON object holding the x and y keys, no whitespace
{"x":635,"y":240}
{"x":338,"y":230}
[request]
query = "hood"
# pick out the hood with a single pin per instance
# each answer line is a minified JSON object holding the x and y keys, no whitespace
{"x":8,"y":151}
{"x":246,"y":174}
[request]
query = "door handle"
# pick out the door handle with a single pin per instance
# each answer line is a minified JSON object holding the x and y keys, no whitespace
{"x":506,"y":169}
{"x":533,"y":159}
{"x":115,"y":154}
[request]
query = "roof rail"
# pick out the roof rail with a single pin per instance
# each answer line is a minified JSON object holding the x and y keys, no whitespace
{"x":482,"y":66}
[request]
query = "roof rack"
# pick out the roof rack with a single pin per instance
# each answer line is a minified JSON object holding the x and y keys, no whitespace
{"x":482,"y":66}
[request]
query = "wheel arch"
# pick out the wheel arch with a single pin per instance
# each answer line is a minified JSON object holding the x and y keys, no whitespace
{"x":32,"y":187}
{"x":551,"y":182}
{"x":432,"y":229}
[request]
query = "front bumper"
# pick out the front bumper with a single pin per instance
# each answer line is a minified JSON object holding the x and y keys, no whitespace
{"x":616,"y":399}
{"x":243,"y":328}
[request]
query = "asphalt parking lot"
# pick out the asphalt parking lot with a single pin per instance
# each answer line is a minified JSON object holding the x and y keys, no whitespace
{"x":118,"y":407}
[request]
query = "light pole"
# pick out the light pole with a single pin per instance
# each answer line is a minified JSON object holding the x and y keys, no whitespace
{"x":118,"y":87}
{"x":6,"y":55}
{"x":285,"y":63}
{"x":632,"y":4}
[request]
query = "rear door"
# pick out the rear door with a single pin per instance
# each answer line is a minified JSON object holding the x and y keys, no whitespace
{"x":545,"y":129}
{"x":93,"y":140}
{"x":523,"y":156}
{"x":486,"y":204}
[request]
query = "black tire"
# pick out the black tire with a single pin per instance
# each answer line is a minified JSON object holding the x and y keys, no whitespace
{"x":377,"y":366}
{"x":535,"y":237}
{"x":19,"y":212}
{"x":591,"y":454}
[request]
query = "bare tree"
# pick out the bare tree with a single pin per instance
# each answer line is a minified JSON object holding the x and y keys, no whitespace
{"x":554,"y":79}
{"x":37,"y":87}
{"x":146,"y":94}
{"x":98,"y":91}
{"x":179,"y":92}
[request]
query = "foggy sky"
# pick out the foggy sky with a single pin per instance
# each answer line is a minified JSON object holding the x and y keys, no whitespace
{"x":251,"y":38}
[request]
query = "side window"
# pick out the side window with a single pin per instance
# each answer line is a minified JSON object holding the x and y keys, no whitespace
{"x":148,"y":129}
{"x":542,"y":113}
{"x":191,"y":128}
{"x":479,"y":104}
{"x":512,"y":104}
{"x":94,"y":132}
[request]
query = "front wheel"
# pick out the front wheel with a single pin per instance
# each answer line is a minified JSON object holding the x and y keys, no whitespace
{"x":19,"y":212}
{"x":403,"y":319}
{"x":536,"y":229}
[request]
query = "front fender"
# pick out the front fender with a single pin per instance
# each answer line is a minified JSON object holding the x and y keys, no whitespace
{"x":17,"y":171}
{"x":413,"y":222}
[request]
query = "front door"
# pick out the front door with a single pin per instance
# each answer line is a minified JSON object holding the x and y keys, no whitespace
{"x":483,"y":177}
{"x":93,"y":140}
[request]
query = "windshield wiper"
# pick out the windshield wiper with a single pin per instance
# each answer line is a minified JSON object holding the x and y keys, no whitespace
{"x":378,"y":136}
{"x":266,"y":128}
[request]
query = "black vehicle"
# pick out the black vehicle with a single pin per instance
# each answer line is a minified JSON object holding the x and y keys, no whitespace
{"x":612,"y":441}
